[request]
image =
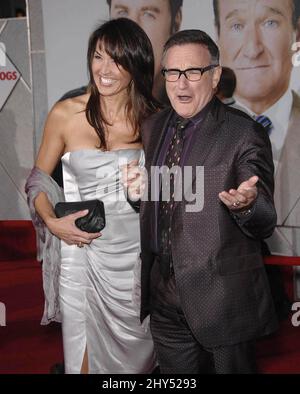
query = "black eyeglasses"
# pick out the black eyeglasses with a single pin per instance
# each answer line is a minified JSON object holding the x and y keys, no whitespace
{"x":191,"y":74}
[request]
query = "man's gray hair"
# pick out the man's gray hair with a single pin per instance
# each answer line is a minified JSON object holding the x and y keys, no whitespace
{"x":194,"y":37}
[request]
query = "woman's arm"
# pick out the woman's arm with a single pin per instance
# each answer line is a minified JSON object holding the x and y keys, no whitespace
{"x":50,"y":152}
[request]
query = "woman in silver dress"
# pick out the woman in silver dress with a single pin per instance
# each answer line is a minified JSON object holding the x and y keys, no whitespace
{"x":94,"y":135}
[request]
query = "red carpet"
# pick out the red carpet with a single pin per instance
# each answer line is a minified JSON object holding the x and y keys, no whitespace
{"x":27,"y":347}
{"x":280,"y":352}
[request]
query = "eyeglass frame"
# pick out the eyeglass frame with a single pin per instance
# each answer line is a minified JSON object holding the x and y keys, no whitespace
{"x":183,"y":72}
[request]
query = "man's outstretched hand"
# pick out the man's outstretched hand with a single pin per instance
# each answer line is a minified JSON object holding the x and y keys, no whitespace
{"x":242,"y":198}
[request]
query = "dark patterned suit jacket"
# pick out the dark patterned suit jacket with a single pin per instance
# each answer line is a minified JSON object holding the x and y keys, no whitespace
{"x":218,"y":266}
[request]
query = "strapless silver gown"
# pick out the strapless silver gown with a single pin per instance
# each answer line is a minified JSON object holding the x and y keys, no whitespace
{"x":96,"y":282}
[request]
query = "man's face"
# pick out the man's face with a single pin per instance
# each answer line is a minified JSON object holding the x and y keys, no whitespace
{"x":154,"y":16}
{"x":187,"y":97}
{"x":255,"y":41}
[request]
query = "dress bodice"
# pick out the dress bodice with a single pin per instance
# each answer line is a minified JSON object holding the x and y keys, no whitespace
{"x":94,"y":174}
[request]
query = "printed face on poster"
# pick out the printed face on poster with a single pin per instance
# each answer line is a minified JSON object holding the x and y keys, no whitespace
{"x":256,"y":40}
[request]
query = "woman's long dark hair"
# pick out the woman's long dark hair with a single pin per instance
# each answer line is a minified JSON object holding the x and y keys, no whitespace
{"x":129,"y":46}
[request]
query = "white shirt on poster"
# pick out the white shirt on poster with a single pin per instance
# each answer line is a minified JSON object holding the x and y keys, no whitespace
{"x":279,"y":114}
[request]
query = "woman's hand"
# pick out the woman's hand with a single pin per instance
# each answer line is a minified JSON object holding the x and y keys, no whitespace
{"x":65,"y":229}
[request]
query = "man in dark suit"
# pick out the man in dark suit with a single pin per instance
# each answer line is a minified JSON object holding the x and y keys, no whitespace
{"x":203,"y":281}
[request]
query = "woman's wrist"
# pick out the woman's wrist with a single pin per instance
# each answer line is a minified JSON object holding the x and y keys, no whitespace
{"x":49,"y":220}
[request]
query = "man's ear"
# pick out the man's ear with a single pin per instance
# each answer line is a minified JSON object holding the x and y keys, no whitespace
{"x":177,"y":21}
{"x":216,"y":76}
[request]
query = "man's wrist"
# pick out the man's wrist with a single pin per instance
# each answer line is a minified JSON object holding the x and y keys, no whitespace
{"x":245,"y":212}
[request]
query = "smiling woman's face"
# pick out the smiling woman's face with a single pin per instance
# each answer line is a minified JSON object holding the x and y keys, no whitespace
{"x":110,"y":77}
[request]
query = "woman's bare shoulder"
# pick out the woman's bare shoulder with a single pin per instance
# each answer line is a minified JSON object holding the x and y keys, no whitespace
{"x":66,"y":109}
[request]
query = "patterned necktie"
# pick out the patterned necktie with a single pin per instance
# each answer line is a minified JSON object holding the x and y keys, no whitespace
{"x":265,"y":122}
{"x":166,"y":207}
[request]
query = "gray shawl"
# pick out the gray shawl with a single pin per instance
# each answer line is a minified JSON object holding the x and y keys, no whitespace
{"x":48,"y":246}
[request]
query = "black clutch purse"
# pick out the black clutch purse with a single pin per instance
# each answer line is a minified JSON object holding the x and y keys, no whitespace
{"x":93,"y":222}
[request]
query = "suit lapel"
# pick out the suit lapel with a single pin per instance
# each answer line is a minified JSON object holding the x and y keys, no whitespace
{"x":287,"y":185}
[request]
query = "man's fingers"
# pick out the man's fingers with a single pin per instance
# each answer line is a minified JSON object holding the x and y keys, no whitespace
{"x":225,"y":198}
{"x":250,"y":183}
{"x":253,"y":181}
{"x":241,"y":195}
{"x":236,"y":200}
{"x":133,"y":174}
{"x":130,"y":174}
{"x":133,"y":163}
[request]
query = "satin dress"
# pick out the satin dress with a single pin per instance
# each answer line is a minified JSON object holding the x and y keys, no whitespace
{"x":96,"y":282}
